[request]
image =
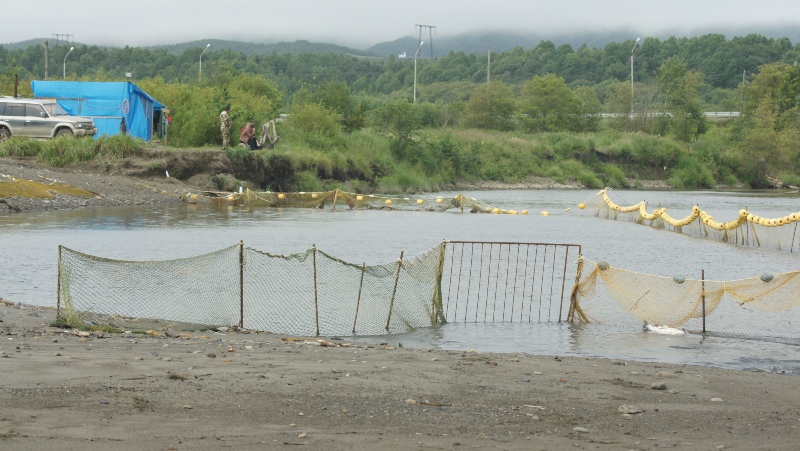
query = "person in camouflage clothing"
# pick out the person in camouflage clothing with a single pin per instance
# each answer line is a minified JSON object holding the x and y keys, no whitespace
{"x":225,"y":126}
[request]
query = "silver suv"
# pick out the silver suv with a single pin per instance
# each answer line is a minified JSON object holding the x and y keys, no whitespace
{"x":40,"y":118}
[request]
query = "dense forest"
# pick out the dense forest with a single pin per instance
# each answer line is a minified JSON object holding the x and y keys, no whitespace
{"x":570,"y":113}
{"x":723,"y":63}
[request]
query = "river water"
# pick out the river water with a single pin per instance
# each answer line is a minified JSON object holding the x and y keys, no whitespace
{"x":30,"y":241}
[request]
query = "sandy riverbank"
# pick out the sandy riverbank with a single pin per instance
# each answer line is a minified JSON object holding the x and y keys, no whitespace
{"x":115,"y":186}
{"x":247,"y":390}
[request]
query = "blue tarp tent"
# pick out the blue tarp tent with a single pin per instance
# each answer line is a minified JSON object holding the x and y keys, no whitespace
{"x":105,"y":102}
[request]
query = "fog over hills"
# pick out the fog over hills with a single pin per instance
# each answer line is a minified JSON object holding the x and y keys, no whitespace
{"x":471,"y":42}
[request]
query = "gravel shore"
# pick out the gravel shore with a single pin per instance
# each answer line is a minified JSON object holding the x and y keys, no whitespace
{"x":247,"y":390}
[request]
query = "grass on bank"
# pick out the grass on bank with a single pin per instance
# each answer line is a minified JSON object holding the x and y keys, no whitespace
{"x":63,"y":151}
{"x":436,"y":159}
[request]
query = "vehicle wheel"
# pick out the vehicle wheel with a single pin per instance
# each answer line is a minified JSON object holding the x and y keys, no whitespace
{"x":64,"y":132}
{"x":4,"y":134}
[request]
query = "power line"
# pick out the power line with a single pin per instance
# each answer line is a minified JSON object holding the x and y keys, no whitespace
{"x":62,"y":37}
{"x":431,"y":29}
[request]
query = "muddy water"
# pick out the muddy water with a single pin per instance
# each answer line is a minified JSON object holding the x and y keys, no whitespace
{"x":29,"y":246}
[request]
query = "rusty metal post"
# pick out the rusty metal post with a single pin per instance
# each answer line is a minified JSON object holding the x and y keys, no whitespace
{"x":241,"y":283}
{"x":552,"y":282}
{"x":450,"y":282}
{"x":437,"y":309}
{"x":394,"y":291}
{"x":505,"y":289}
{"x":358,"y":302}
{"x":703,"y":296}
{"x":458,"y":281}
{"x":316,"y":299}
{"x":563,"y":283}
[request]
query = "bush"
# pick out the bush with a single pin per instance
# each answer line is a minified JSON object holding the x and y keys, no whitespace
{"x":406,"y":180}
{"x":589,"y":180}
{"x":20,"y":147}
{"x":612,"y":176}
{"x":316,"y":125}
{"x":307,"y":181}
{"x":689,"y":173}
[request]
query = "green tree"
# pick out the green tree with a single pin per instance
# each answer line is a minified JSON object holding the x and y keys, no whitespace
{"x":491,"y":106}
{"x":678,"y":86}
{"x":771,"y":123}
{"x":401,"y":119}
{"x":548,"y":105}
{"x":776,"y":87}
{"x":590,"y":108}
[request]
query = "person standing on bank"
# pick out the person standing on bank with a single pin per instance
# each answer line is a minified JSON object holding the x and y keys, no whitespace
{"x":225,"y":126}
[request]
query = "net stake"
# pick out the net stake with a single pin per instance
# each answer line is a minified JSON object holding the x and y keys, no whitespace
{"x":316,"y":300}
{"x":703,"y":296}
{"x":394,"y":291}
{"x":58,"y":288}
{"x":358,"y":302}
{"x":241,"y":284}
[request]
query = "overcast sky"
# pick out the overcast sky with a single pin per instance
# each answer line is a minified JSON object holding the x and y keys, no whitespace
{"x":362,"y":23}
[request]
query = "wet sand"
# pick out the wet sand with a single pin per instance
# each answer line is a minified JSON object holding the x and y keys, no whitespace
{"x":68,"y":389}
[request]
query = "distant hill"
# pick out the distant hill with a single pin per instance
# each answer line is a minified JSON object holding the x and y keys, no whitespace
{"x":248,"y":48}
{"x":253,"y":48}
{"x":500,"y":41}
{"x":472,"y":42}
{"x":25,"y":44}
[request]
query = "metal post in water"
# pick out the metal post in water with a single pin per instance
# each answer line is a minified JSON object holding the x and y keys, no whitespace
{"x":316,"y":300}
{"x":552,"y":282}
{"x":458,"y":282}
{"x":358,"y":302}
{"x":394,"y":291}
{"x":563,"y":280}
{"x":241,"y":283}
{"x":703,"y":296}
{"x":450,"y":283}
{"x":437,"y":307}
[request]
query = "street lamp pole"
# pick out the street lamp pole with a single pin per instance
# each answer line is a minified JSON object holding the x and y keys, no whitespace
{"x":64,"y":75}
{"x":415,"y":70}
{"x":632,"y":50}
{"x":200,"y":72}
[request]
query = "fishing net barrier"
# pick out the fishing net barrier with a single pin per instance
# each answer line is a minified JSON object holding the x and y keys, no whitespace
{"x":761,"y":307}
{"x":339,"y":199}
{"x":745,"y":229}
{"x":315,"y":293}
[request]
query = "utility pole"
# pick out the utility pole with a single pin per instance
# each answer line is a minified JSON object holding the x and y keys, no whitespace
{"x":489,"y":67}
{"x":415,"y":71}
{"x":46,"y":57}
{"x":744,"y":80}
{"x":430,"y":28}
{"x":632,"y":50}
